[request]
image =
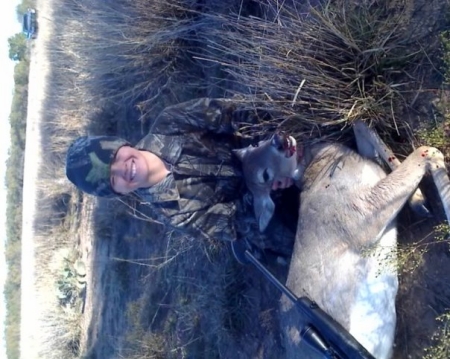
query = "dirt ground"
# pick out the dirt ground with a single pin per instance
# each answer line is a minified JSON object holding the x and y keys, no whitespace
{"x":121,"y":265}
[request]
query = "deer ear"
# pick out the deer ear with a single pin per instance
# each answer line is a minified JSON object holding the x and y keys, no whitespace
{"x":264,"y":209}
{"x":240,"y":153}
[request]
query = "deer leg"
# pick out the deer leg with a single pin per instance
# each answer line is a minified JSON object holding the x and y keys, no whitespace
{"x":384,"y":200}
{"x":370,"y":145}
{"x":441,"y":180}
{"x":363,"y":144}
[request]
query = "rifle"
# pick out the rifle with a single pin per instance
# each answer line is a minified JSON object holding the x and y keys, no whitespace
{"x":322,"y":333}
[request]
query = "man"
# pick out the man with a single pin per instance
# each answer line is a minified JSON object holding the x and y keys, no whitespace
{"x":184,"y":169}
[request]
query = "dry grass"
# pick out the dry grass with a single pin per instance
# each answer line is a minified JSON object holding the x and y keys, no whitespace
{"x":133,"y":53}
{"x":198,"y":306}
{"x":345,"y":61}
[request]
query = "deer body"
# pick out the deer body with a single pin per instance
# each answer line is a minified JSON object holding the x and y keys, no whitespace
{"x":336,"y":259}
{"x":344,"y":254}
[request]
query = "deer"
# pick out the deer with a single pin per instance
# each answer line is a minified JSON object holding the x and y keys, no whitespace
{"x":344,"y":256}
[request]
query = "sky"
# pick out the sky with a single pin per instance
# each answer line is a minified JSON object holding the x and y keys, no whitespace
{"x":9,"y":25}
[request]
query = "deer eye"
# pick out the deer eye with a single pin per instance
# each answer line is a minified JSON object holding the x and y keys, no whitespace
{"x":266,"y":176}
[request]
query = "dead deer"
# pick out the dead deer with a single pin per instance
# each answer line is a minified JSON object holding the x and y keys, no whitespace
{"x":344,"y":252}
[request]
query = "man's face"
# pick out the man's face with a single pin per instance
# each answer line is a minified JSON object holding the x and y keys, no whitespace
{"x":129,"y":170}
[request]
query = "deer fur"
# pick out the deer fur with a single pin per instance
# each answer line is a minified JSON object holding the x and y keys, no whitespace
{"x":344,"y":257}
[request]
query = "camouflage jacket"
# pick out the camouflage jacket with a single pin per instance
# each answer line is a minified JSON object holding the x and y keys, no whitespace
{"x":201,"y":193}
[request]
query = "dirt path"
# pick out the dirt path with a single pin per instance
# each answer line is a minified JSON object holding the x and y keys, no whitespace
{"x":36,"y":93}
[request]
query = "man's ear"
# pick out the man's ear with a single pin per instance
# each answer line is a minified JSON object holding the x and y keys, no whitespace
{"x":264,"y":209}
{"x":240,"y":153}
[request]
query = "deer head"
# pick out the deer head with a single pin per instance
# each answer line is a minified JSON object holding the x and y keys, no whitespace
{"x":263,"y":164}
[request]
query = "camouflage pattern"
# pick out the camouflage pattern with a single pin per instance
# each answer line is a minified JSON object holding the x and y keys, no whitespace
{"x":203,"y":193}
{"x":88,"y":163}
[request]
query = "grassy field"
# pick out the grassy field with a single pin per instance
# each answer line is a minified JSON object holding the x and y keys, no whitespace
{"x":112,"y":283}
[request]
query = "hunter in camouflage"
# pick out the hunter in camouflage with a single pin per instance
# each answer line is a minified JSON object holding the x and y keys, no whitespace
{"x":202,"y":193}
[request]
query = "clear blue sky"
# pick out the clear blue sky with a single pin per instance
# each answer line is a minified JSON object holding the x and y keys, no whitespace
{"x":8,"y":26}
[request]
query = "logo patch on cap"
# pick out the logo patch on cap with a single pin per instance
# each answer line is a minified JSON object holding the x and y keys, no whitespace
{"x":99,"y":170}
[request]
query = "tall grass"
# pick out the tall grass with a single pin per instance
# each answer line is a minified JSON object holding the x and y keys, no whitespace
{"x":336,"y":63}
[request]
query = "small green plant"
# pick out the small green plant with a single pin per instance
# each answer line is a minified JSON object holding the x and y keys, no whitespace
{"x":410,"y":257}
{"x":70,"y":282}
{"x":442,"y":232}
{"x":403,"y":258}
{"x":445,"y":41}
{"x":436,"y":134}
{"x":441,"y":339}
{"x":407,"y":258}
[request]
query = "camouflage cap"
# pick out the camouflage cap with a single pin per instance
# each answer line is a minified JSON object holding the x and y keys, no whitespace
{"x":88,"y":163}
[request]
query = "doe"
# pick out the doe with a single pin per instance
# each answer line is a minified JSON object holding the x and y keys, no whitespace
{"x":344,"y":253}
